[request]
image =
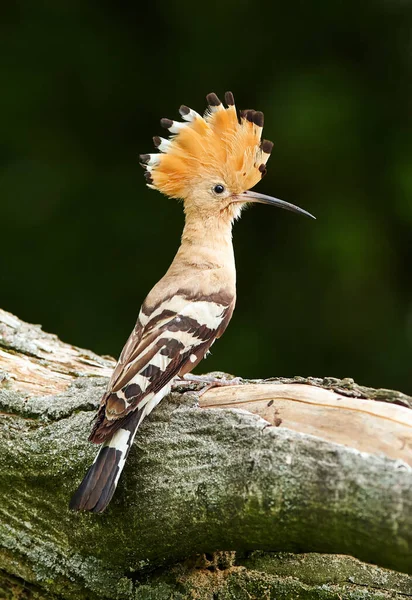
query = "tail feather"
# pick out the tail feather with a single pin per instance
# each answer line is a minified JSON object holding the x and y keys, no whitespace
{"x":99,"y":484}
{"x":97,"y":488}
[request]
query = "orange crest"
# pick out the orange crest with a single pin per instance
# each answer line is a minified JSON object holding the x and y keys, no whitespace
{"x":217,"y":146}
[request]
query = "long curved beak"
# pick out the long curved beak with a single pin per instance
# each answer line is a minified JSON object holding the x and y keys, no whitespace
{"x":263,"y":199}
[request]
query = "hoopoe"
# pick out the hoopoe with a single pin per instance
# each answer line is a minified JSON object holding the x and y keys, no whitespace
{"x":210,"y":163}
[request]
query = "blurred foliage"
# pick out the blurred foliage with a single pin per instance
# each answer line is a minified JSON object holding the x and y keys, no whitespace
{"x":84,"y":84}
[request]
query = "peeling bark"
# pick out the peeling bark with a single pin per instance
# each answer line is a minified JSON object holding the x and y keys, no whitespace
{"x":318,"y":468}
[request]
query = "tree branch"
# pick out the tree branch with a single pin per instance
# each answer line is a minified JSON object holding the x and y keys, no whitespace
{"x":317,"y":468}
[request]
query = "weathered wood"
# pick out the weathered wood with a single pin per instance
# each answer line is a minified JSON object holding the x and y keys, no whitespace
{"x":197,"y":481}
{"x":376,"y":427}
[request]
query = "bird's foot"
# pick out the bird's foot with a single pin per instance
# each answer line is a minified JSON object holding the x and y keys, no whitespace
{"x":206,"y":381}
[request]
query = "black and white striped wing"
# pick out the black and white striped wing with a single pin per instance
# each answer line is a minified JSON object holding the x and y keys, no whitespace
{"x":168,"y":341}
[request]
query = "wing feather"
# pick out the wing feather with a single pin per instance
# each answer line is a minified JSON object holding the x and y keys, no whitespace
{"x":170,"y":342}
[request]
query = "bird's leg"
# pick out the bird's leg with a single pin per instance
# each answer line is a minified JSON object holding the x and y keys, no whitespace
{"x":208,"y":381}
{"x":218,"y":381}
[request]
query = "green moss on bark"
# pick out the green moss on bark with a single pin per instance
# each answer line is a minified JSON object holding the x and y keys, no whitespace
{"x":256,"y":577}
{"x":242,"y":493}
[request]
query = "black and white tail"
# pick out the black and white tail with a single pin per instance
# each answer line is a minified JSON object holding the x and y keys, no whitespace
{"x":99,"y":484}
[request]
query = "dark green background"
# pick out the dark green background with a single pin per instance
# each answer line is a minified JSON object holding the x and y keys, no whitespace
{"x":83,"y":85}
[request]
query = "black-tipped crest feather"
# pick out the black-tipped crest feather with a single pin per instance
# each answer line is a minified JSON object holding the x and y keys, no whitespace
{"x":229,"y":99}
{"x":213,"y":100}
{"x":166,"y":123}
{"x":184,"y":110}
{"x":266,"y":146}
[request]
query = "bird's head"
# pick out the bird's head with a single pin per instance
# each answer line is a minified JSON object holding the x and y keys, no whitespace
{"x":212,"y":162}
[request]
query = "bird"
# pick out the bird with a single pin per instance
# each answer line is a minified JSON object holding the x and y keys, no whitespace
{"x":210,"y":162}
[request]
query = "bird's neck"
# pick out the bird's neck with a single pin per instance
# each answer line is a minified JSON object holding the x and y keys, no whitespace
{"x":207,"y":241}
{"x":204,"y":265}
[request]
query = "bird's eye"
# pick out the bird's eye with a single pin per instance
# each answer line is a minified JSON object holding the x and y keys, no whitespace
{"x":219,"y":188}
